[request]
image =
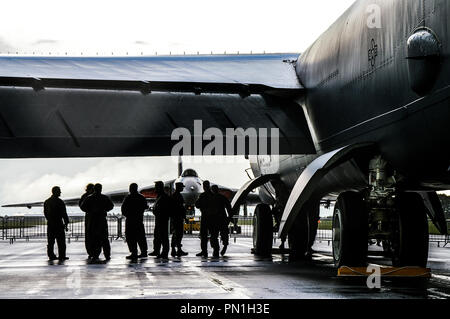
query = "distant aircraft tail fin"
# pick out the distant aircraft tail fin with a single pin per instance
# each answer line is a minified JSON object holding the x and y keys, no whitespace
{"x":180,"y":166}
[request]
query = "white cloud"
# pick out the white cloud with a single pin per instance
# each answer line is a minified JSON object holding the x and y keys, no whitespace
{"x":107,"y":26}
{"x":35,"y":183}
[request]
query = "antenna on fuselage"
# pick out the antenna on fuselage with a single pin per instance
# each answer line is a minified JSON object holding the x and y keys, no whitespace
{"x":180,"y":166}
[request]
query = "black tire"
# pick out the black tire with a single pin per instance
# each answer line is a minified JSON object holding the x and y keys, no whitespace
{"x":262,"y":230}
{"x":299,"y":237}
{"x":410,"y":247}
{"x":350,"y":230}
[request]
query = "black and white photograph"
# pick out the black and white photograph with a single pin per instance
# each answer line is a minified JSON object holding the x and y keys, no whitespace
{"x":225,"y":159}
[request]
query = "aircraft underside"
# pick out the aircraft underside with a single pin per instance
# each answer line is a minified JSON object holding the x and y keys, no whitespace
{"x":383,"y":184}
{"x":377,"y":106}
{"x":368,"y":105}
{"x":371,"y":205}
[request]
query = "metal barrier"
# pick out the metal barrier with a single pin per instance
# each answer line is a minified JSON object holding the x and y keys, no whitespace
{"x":324,"y":233}
{"x":442,"y":239}
{"x":27,"y":227}
{"x":2,"y":225}
{"x":149,"y":224}
{"x":31,"y":227}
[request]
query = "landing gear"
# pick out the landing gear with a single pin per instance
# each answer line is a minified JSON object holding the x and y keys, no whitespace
{"x":402,"y":228}
{"x":410,"y":241}
{"x":262,"y":230}
{"x":350,"y":227}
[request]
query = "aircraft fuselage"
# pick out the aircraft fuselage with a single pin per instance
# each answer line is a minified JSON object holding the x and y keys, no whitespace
{"x":192,"y":189}
{"x":361,"y":81}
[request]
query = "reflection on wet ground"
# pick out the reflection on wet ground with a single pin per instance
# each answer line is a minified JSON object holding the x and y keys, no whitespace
{"x":26,"y":273}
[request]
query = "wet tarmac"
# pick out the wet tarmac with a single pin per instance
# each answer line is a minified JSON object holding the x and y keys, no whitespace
{"x":26,"y":273}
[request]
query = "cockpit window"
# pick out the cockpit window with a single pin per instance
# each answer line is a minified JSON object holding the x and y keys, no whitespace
{"x":189,"y":173}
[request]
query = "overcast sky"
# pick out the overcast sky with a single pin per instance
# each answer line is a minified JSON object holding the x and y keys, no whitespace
{"x":134,"y":27}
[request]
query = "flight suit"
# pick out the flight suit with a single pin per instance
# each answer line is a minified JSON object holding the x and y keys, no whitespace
{"x":204,"y":203}
{"x":87,"y":220}
{"x":57,"y":219}
{"x":133,"y":208}
{"x":97,"y":206}
{"x":224,"y":214}
{"x":162,"y":210}
{"x":178,"y":216}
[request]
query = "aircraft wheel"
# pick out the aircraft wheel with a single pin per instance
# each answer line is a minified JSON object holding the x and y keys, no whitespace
{"x":410,"y":246}
{"x":299,"y":237}
{"x":350,"y":230}
{"x":262,"y":230}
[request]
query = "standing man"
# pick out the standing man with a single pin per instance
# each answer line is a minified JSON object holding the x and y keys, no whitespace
{"x":133,"y":208}
{"x":204,"y":203}
{"x":87,"y":220}
{"x":97,"y":206}
{"x":57,"y":221}
{"x":178,"y":217}
{"x":161,"y":209}
{"x":224,"y":213}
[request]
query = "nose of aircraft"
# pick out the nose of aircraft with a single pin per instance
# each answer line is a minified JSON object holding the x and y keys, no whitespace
{"x":191,"y":192}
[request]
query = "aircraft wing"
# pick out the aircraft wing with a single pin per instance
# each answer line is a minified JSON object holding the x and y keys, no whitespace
{"x":252,"y":198}
{"x":68,"y":202}
{"x":198,"y":74}
{"x":116,"y":197}
{"x":27,"y":205}
{"x":130,"y":106}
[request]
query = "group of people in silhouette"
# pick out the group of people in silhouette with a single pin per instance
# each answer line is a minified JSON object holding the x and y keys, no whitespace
{"x":169,"y":212}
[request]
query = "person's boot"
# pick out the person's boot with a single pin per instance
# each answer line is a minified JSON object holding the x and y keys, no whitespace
{"x":154,"y":253}
{"x":224,"y":250}
{"x":143,"y":255}
{"x":94,"y":260}
{"x":202,"y":254}
{"x":163,"y":256}
{"x":216,"y":253}
{"x":173,"y":253}
{"x":51,"y":254}
{"x":132,"y":256}
{"x":181,"y":253}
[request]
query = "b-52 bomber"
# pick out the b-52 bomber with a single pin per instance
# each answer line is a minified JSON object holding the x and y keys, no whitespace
{"x":362,"y":117}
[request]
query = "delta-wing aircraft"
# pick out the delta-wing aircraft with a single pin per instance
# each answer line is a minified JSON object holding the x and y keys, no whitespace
{"x":193,"y":187}
{"x":362,"y":117}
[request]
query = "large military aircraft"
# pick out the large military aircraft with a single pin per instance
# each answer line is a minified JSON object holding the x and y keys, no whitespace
{"x":362,"y":116}
{"x":193,"y":187}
